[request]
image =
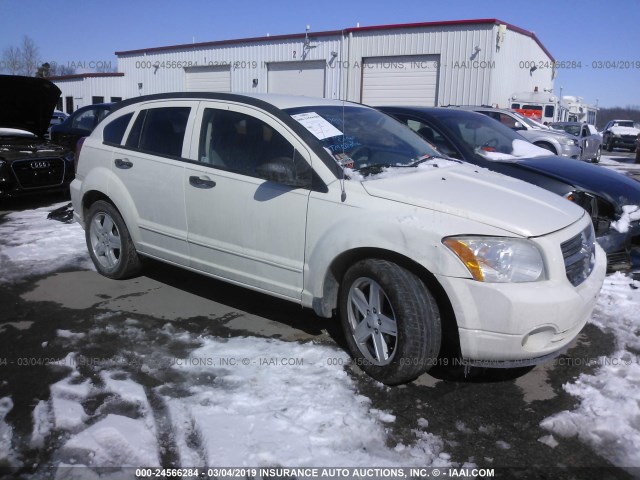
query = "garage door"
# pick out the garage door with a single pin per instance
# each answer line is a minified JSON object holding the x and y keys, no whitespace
{"x":208,"y":79}
{"x":297,"y":78}
{"x":402,"y":80}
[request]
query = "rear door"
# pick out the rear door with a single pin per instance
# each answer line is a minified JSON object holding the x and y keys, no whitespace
{"x":148,"y":171}
{"x":242,"y":227}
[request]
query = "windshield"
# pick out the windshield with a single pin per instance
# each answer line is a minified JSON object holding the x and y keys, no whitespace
{"x":572,"y":129}
{"x":624,"y":124}
{"x":363,"y":138}
{"x":490,"y":138}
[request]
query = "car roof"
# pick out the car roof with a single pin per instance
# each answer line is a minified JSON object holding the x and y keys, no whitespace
{"x":275,"y":100}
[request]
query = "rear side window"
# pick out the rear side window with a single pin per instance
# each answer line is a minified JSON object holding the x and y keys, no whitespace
{"x":160,"y":131}
{"x":86,"y":120}
{"x":114,"y":131}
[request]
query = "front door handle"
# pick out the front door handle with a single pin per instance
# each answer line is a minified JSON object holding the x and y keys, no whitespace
{"x":201,"y":182}
{"x":123,"y":163}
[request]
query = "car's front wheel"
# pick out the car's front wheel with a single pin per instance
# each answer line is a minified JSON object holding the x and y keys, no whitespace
{"x":391,"y":321}
{"x":598,"y":155}
{"x":109,"y":242}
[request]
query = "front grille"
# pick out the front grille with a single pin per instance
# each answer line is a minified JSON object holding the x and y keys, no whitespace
{"x":579,"y":255}
{"x":629,"y":138}
{"x":41,"y":172}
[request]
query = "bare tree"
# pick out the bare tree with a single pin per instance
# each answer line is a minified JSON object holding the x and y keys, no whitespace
{"x":22,"y":60}
{"x":30,"y":56}
{"x":11,"y":60}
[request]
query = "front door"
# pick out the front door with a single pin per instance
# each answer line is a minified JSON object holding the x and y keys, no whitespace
{"x":242,"y":227}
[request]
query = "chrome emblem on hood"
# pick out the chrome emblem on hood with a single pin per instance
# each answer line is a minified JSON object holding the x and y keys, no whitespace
{"x":38,"y":165}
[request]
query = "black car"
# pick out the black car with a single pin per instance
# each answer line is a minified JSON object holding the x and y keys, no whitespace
{"x":79,"y":124}
{"x":478,"y":139}
{"x":29,"y":163}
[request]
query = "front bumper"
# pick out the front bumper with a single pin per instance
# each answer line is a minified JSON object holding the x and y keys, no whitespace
{"x":522,"y":323}
{"x":623,"y":142}
{"x":570,"y":151}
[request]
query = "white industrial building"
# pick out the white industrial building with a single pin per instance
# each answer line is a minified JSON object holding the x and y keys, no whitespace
{"x":480,"y":62}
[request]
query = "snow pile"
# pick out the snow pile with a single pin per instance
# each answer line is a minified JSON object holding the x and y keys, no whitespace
{"x":227,"y":402}
{"x":524,"y":149}
{"x":284,"y":404}
{"x":630,"y":213}
{"x":388,"y":172}
{"x":520,"y":149}
{"x":608,"y":417}
{"x":31,"y":244}
{"x":7,"y":457}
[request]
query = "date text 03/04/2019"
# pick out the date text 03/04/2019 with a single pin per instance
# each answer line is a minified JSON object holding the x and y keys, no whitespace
{"x":317,"y":472}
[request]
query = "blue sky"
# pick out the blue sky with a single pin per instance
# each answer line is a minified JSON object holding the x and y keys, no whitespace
{"x":586,"y":31}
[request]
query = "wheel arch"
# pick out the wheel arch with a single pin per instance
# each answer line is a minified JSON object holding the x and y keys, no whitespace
{"x":92,"y":197}
{"x":547,"y":145}
{"x":326,"y":305}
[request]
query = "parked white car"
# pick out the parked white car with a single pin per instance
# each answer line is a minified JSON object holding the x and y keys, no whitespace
{"x":620,"y":133}
{"x":338,"y":207}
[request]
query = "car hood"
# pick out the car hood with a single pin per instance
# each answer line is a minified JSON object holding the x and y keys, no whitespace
{"x":624,"y":131}
{"x":481,"y":195}
{"x":27,"y":103}
{"x":609,"y":184}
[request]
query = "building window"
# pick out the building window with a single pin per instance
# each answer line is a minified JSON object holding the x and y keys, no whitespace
{"x":59,"y":104}
{"x":69,"y":102}
{"x":95,"y":100}
{"x":116,"y":99}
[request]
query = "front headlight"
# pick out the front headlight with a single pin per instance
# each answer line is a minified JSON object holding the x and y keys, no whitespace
{"x":498,"y":259}
{"x":568,"y":141}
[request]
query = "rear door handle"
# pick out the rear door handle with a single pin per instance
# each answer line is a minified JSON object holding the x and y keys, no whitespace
{"x":202,"y":182}
{"x":123,"y":163}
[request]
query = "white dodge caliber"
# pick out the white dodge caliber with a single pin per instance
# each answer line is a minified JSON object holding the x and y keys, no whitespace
{"x":340,"y":208}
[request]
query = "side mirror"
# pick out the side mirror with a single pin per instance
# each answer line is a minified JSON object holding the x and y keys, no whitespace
{"x":283,"y":170}
{"x":518,"y":126}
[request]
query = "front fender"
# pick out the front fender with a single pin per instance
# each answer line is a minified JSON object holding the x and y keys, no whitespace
{"x":334,"y":229}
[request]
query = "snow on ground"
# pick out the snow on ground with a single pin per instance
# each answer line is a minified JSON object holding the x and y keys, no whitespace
{"x":228,"y":402}
{"x":608,"y":417}
{"x":31,"y":244}
{"x":6,"y":434}
{"x":272,"y":403}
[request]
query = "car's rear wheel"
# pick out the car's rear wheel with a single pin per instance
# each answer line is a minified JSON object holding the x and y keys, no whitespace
{"x":391,"y":321}
{"x":109,"y":242}
{"x":598,"y":155}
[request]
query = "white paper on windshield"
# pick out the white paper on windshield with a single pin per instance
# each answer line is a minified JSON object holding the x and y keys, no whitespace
{"x":317,"y":125}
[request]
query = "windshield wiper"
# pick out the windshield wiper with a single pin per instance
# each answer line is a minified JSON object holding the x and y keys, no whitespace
{"x":376,"y":167}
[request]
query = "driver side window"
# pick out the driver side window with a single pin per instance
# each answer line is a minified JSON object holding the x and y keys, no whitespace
{"x":433,"y":136}
{"x":243,"y":144}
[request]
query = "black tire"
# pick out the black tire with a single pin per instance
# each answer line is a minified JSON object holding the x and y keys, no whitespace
{"x":404,"y":302}
{"x":546,"y":146}
{"x":596,"y":159}
{"x":109,"y":243}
